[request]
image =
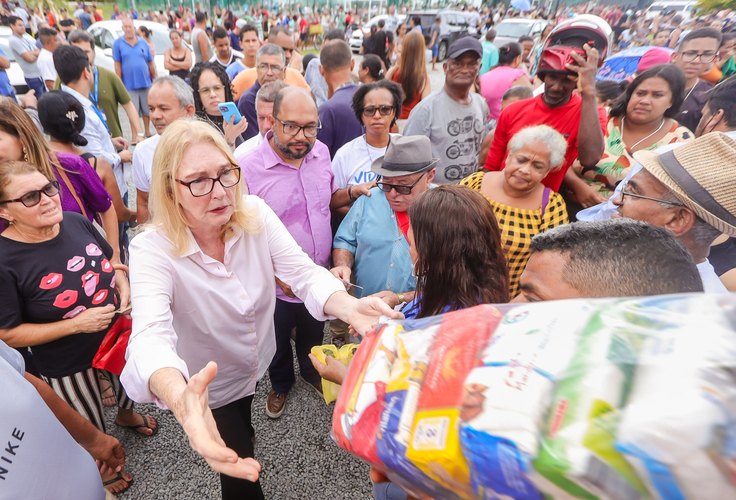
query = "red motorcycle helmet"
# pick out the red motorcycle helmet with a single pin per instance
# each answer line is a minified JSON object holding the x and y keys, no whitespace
{"x":569,"y":36}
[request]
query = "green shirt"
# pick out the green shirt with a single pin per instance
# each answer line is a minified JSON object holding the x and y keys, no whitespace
{"x":111,"y":93}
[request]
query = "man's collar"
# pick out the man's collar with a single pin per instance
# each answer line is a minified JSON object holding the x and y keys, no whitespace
{"x":80,"y":97}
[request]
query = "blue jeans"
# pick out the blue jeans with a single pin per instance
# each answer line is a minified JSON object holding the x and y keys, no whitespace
{"x":36,"y":84}
{"x":309,"y":333}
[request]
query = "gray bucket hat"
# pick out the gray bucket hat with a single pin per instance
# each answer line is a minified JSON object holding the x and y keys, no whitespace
{"x":405,"y":156}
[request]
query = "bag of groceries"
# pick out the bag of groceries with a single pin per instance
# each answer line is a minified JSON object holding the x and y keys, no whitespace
{"x":610,"y":398}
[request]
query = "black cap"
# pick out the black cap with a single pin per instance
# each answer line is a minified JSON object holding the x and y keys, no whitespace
{"x":463,"y":45}
{"x":62,"y":117}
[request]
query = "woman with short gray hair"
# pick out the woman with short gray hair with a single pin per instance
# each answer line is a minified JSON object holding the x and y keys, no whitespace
{"x":523,"y":206}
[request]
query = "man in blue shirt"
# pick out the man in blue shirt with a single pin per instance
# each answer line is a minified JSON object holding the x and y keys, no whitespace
{"x":371,"y":246}
{"x":6,"y":88}
{"x":134,"y":65}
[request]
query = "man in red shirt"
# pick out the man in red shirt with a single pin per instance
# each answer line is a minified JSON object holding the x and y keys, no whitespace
{"x":575,"y":115}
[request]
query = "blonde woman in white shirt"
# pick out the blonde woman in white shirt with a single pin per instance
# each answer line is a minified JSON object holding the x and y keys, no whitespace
{"x":203,"y":290}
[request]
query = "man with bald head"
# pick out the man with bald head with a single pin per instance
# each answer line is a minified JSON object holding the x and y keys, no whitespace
{"x":291,"y":171}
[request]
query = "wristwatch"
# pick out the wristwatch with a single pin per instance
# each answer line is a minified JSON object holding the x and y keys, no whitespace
{"x":402,"y":298}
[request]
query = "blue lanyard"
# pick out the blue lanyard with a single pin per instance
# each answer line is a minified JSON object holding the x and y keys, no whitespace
{"x":94,"y":97}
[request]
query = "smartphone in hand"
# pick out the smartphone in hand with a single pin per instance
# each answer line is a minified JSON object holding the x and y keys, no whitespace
{"x":230,"y":110}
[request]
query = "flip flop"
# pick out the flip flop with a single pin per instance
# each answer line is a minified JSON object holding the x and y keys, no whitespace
{"x":118,"y":477}
{"x":107,"y":393}
{"x":147,"y":419}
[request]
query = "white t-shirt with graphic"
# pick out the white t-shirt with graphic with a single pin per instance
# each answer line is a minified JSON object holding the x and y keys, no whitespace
{"x":352,"y":162}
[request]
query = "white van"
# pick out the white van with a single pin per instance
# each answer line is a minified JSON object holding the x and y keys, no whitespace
{"x":681,"y":7}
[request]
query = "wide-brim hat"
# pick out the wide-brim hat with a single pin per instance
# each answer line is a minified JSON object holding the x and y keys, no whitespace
{"x":702,"y":174}
{"x":405,"y":155}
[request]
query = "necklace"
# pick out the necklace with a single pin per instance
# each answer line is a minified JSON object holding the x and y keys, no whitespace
{"x":690,"y":92}
{"x":642,"y":140}
{"x":368,"y":149}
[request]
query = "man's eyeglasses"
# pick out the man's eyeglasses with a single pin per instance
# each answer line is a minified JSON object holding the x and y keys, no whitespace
{"x":386,"y":187}
{"x":625,"y":193}
{"x":211,"y":90}
{"x":384,"y":110}
{"x":270,"y":68}
{"x":692,"y":55}
{"x":292,"y":129}
{"x":204,"y":185}
{"x":33,"y":198}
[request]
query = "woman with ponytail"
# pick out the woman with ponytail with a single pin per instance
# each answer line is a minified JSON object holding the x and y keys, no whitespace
{"x":495,"y":83}
{"x":371,"y":69}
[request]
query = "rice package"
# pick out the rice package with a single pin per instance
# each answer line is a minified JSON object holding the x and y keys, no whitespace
{"x":344,"y":354}
{"x":507,"y":396}
{"x":402,"y":394}
{"x":360,"y":403}
{"x":679,"y":426}
{"x":434,"y":446}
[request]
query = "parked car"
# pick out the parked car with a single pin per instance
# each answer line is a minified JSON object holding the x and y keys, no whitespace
{"x":510,"y":30}
{"x":356,"y":39}
{"x":453,"y":25}
{"x":15,"y":73}
{"x":683,"y":8}
{"x":106,"y":32}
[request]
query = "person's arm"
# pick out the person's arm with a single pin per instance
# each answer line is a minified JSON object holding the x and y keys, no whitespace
{"x":4,"y":62}
{"x":590,"y":136}
{"x":134,"y":120}
{"x":31,"y":55}
{"x":169,"y":63}
{"x":342,"y":262}
{"x":142,"y":206}
{"x":118,"y":69}
{"x":91,"y":320}
{"x":390,"y":72}
{"x":101,"y":446}
{"x":107,"y":176}
{"x":152,"y":69}
{"x":345,"y":196}
{"x":187,"y":62}
{"x":204,"y":47}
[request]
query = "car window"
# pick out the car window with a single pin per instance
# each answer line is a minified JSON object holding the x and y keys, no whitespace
{"x":107,"y":40}
{"x":512,"y":30}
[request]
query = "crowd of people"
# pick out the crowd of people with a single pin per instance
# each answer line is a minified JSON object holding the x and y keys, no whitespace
{"x":277,"y":190}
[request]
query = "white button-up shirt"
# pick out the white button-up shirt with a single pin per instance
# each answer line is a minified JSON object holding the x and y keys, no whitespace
{"x":191,"y":309}
{"x":98,"y":139}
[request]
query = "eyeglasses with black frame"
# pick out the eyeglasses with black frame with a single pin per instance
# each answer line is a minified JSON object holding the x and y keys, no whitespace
{"x":705,"y":57}
{"x":625,"y":193}
{"x":204,"y":185}
{"x":33,"y":198}
{"x":384,"y":110}
{"x":386,"y":187}
{"x":292,"y":129}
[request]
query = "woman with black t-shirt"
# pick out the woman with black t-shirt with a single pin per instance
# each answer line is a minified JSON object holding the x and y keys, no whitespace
{"x":60,"y":292}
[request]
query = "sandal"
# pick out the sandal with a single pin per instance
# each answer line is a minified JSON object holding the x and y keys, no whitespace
{"x":109,"y":484}
{"x":140,"y":428}
{"x":107,"y":391}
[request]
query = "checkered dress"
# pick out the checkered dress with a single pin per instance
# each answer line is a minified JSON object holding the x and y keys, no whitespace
{"x":519,"y":225}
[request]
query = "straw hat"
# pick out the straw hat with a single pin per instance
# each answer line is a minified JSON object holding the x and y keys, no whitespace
{"x":702,"y":174}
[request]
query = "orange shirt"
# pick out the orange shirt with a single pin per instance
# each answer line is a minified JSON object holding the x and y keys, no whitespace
{"x":246,"y":78}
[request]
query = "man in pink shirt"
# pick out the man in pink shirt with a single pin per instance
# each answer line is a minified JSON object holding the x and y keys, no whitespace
{"x":291,"y":171}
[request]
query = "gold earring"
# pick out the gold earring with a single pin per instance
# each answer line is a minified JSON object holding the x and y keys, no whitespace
{"x":25,"y":155}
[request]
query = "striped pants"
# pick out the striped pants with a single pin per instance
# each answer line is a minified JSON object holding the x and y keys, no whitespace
{"x":81,"y":391}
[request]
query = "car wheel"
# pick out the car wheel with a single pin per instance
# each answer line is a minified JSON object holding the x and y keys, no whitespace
{"x":442,"y":52}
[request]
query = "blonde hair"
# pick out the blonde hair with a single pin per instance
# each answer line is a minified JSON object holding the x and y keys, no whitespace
{"x":16,"y":122}
{"x":167,"y":213}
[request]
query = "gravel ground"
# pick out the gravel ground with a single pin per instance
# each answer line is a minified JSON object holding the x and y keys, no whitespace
{"x":297,"y":455}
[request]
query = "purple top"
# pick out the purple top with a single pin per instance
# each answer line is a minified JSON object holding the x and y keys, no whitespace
{"x":85,"y":182}
{"x":339,"y":123}
{"x":300,"y":197}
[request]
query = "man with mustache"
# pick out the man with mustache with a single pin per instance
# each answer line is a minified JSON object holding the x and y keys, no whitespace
{"x":292,"y":172}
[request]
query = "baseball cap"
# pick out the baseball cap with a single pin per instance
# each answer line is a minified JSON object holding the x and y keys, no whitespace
{"x":463,"y":45}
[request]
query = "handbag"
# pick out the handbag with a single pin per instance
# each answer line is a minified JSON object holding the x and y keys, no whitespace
{"x":111,"y":354}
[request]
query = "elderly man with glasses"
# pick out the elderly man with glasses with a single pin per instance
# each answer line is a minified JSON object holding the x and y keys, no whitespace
{"x":371,"y":247}
{"x":292,"y":173}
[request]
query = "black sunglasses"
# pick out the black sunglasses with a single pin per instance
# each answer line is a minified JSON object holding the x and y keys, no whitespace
{"x":386,"y":188}
{"x":384,"y":110}
{"x":33,"y":198}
